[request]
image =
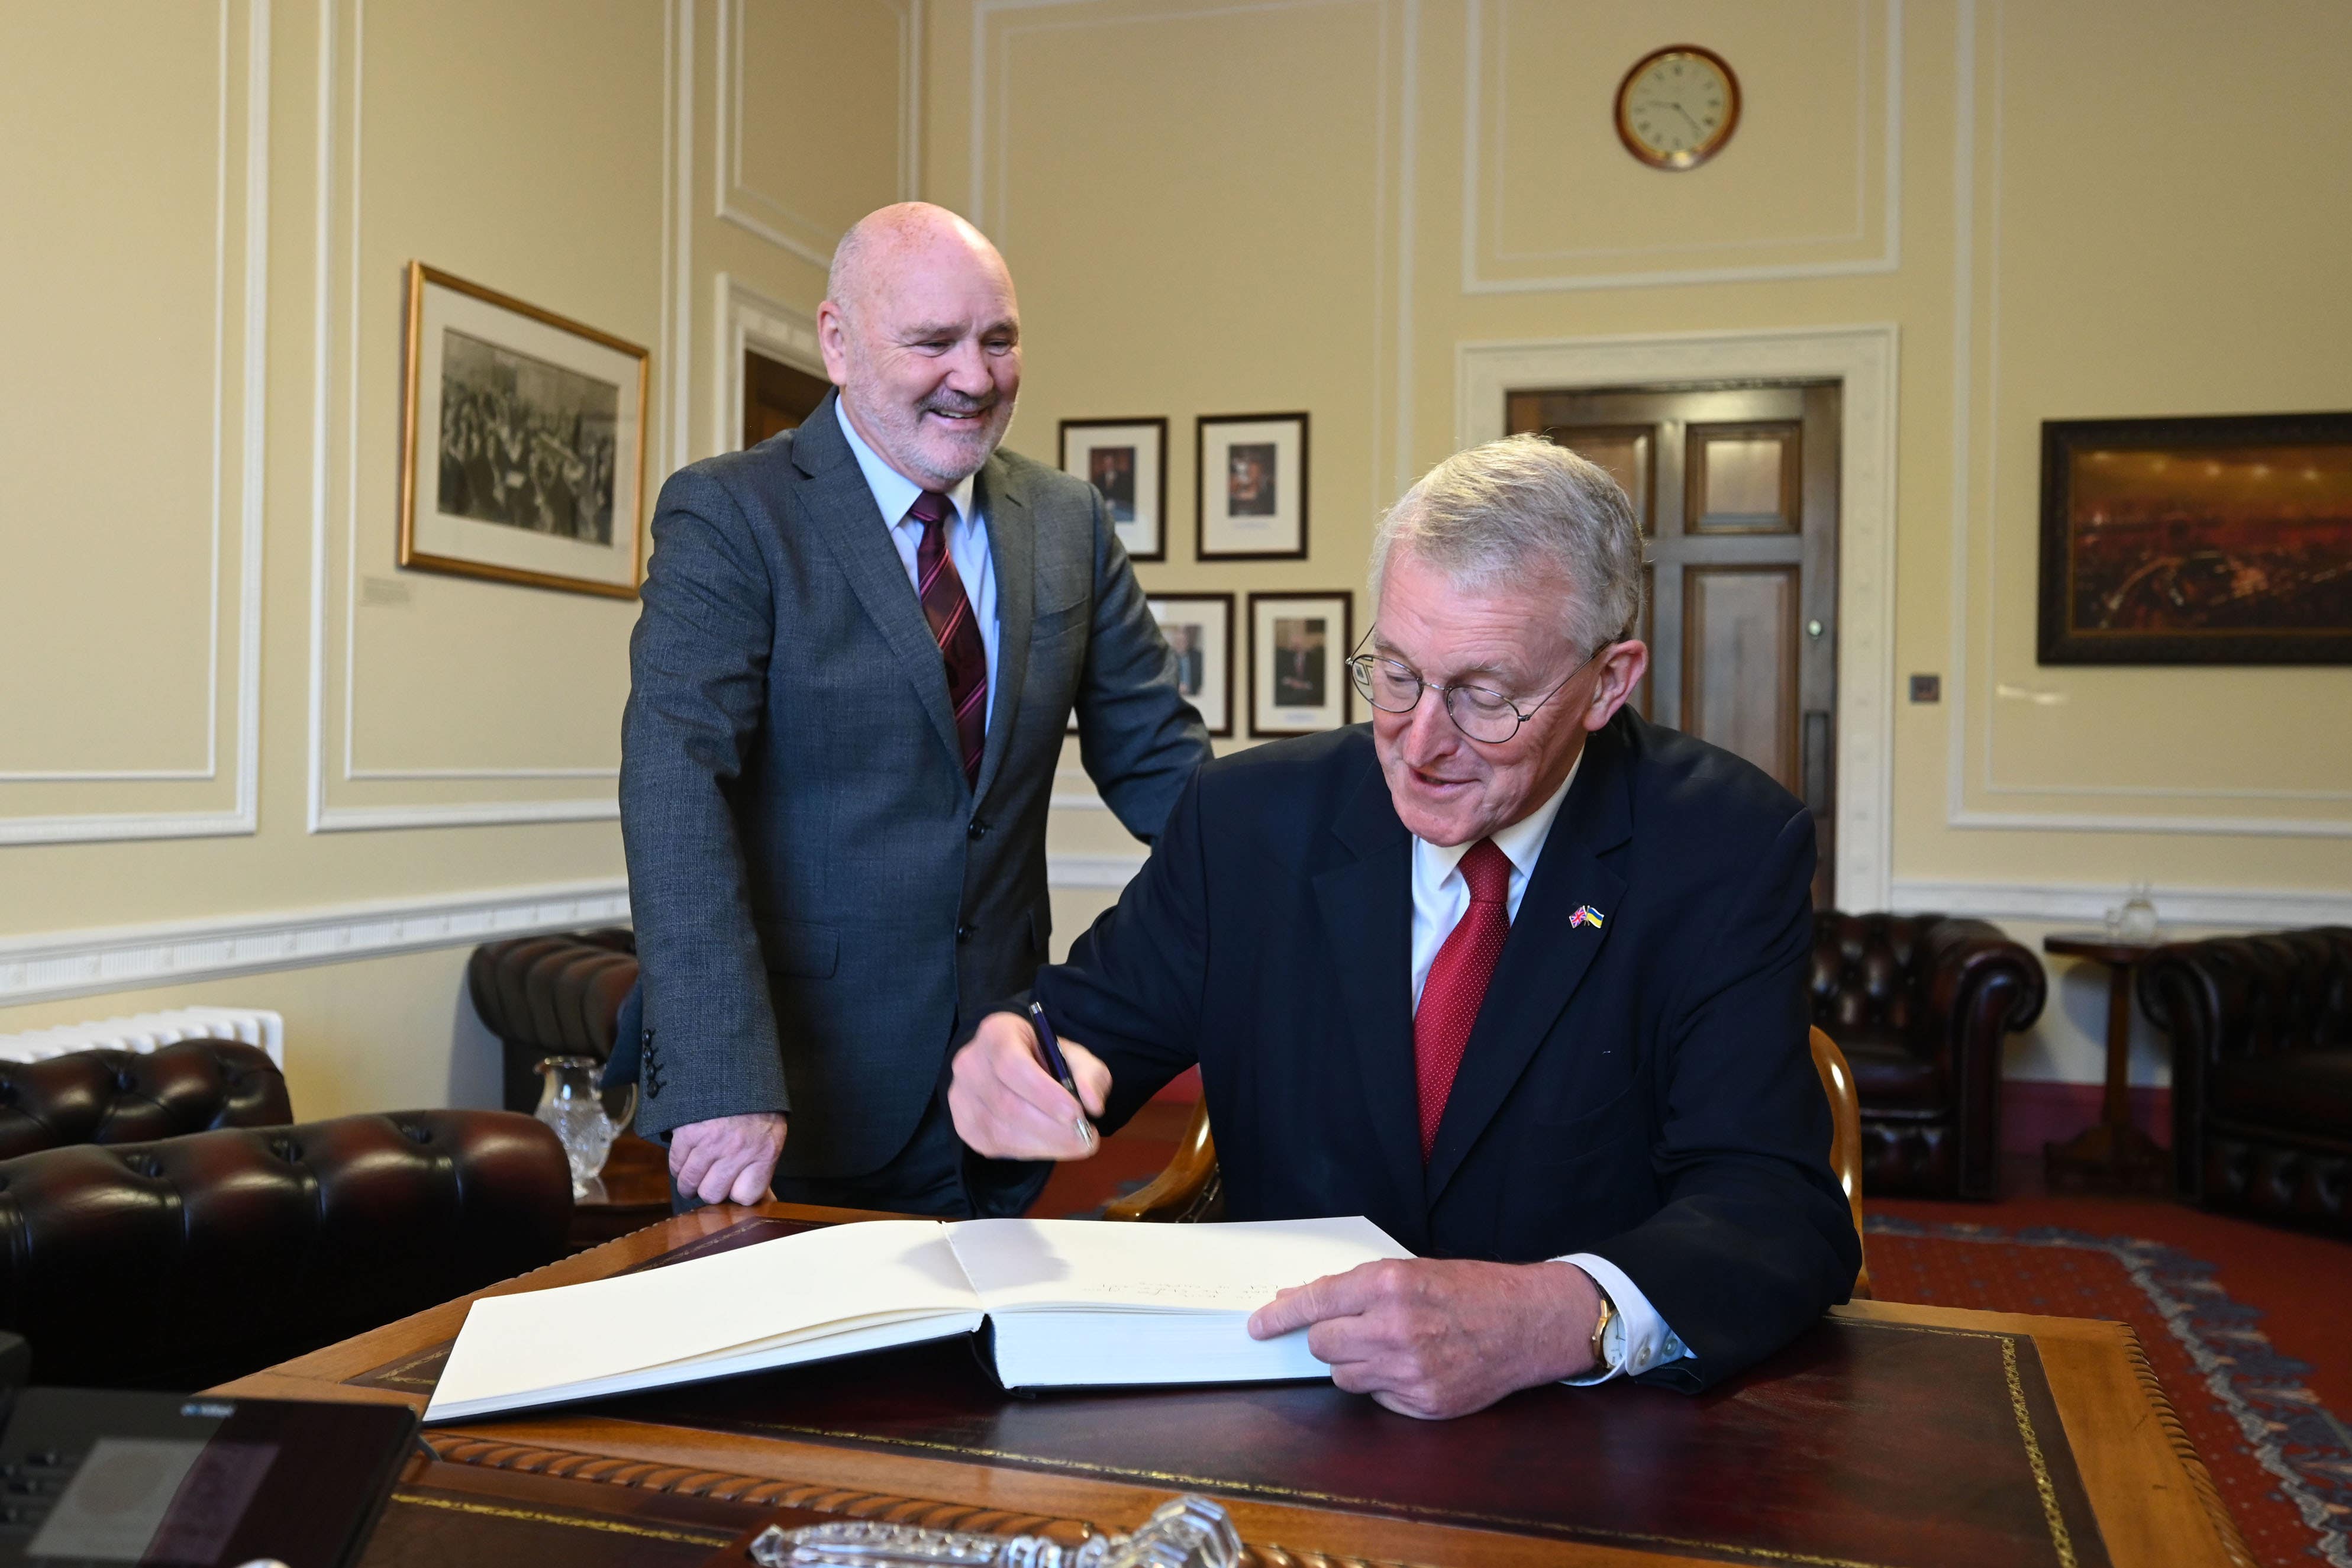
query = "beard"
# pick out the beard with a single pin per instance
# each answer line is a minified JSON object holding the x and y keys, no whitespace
{"x":937,"y":455}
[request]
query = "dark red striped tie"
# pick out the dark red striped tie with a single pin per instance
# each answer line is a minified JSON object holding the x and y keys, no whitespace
{"x":950,"y":612}
{"x":1456,"y":986}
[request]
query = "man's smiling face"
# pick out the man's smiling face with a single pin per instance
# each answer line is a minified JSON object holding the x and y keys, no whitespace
{"x":926,"y":352}
{"x":1447,"y":788}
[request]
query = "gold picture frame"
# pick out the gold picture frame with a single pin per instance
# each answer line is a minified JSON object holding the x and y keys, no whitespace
{"x":535,"y":470}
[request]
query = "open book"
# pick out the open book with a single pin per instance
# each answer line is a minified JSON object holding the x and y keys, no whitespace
{"x":1070,"y":1302}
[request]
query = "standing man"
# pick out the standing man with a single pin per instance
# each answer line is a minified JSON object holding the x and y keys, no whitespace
{"x":861,"y":642}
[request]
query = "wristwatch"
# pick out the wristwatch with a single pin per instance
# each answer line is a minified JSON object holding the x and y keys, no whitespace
{"x":1600,"y":1327}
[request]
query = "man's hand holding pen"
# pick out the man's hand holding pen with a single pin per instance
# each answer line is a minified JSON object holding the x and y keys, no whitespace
{"x":1006,"y":1103}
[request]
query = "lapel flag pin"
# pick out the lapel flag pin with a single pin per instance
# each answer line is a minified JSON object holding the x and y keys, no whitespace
{"x":1585,"y":915}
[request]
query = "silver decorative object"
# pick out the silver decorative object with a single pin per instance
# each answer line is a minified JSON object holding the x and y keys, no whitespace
{"x":1185,"y":1533}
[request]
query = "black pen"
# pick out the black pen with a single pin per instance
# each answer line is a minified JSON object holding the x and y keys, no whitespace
{"x":1056,"y":1064}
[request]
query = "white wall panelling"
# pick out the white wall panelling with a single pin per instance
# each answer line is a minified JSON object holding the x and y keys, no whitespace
{"x":248,"y":429}
{"x":339,"y":202}
{"x":1482,"y":116}
{"x":1977,"y":212}
{"x":768,"y":216}
{"x":1862,"y":360}
{"x":126,"y":958}
{"x":2249,"y":909}
{"x":748,"y":319}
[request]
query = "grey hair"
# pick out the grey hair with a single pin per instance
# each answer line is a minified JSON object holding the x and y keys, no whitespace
{"x":1522,"y":508}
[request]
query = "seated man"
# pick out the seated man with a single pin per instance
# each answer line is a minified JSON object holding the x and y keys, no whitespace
{"x":1512,"y":972}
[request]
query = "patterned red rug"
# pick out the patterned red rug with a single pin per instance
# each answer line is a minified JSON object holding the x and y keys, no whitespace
{"x":2283,"y":1460}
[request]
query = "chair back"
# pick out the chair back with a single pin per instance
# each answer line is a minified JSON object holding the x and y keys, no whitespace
{"x":1845,"y":1137}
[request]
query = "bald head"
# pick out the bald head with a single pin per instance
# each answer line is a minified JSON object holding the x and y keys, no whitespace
{"x":922,"y":332}
{"x":889,"y":239}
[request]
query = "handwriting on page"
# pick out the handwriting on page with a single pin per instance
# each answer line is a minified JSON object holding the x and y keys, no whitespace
{"x":1222,"y":1295}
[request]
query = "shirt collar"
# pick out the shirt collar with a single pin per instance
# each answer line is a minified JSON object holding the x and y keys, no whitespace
{"x":1521,"y":843}
{"x":894,"y":493}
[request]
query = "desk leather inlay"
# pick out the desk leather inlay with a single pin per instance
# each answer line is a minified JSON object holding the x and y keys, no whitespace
{"x":1863,"y":1444}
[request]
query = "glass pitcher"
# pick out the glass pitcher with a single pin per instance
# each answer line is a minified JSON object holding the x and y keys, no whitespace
{"x":569,"y":1102}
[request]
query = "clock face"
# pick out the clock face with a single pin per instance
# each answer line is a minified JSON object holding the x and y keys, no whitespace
{"x":1676,"y":108}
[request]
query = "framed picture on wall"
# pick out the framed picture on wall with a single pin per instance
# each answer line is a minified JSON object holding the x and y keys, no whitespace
{"x":1126,"y":460}
{"x":523,"y":442}
{"x":1250,"y":487}
{"x":1298,"y":652}
{"x":1200,"y":631}
{"x":2200,"y":540}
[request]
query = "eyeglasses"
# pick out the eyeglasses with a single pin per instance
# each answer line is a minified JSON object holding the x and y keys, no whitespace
{"x":1480,"y":712}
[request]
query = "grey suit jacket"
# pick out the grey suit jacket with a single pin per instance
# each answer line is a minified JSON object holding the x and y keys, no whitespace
{"x":823,"y":903}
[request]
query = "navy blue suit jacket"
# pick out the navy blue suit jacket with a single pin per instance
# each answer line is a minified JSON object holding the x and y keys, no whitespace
{"x":1641,"y":1089}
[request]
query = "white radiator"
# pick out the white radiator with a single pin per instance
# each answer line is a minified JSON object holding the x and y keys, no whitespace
{"x":143,"y":1032}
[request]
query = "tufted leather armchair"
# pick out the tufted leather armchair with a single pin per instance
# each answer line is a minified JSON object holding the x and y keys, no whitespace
{"x":1919,"y":1004}
{"x":125,"y":1096}
{"x":551,"y":996}
{"x":189,"y":1260}
{"x":2262,"y":1069}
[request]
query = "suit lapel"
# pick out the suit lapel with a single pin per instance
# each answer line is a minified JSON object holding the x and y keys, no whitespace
{"x":1012,"y":552}
{"x":842,"y":510}
{"x":1367,"y":905}
{"x":1546,"y":958}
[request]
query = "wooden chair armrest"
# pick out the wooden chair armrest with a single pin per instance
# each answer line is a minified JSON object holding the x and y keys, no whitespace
{"x":1186,"y":1190}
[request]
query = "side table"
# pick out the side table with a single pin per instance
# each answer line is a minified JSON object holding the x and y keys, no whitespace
{"x":2112,"y":1151}
{"x":630,"y":1193}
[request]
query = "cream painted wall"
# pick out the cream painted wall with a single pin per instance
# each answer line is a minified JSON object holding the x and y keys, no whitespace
{"x":2066,"y":212}
{"x":204,"y":263}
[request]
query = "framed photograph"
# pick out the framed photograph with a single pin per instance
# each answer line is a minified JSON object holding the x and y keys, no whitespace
{"x":2204,"y":541}
{"x":1250,"y":491}
{"x":523,"y":442}
{"x":1126,"y":460}
{"x":1200,"y":631}
{"x":1298,"y":652}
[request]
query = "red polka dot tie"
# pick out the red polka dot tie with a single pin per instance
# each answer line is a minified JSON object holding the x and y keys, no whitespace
{"x":950,"y":612}
{"x":1457,"y":985}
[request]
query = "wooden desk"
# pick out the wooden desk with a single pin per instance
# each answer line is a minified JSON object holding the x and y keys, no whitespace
{"x":2076,"y":1458}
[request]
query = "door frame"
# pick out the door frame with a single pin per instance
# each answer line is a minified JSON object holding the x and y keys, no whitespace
{"x":747,"y":319}
{"x":1862,"y":359}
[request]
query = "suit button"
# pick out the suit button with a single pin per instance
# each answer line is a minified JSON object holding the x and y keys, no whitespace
{"x":963,"y":933}
{"x":977,"y":831}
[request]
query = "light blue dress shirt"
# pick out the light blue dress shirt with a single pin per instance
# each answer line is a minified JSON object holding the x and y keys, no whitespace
{"x":967,"y":540}
{"x":1639,"y":1339}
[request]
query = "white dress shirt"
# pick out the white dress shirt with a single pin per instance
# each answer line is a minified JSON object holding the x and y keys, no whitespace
{"x":967,"y":540}
{"x":1441,"y":897}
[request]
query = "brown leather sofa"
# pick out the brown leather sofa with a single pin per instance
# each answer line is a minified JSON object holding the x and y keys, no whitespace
{"x":551,"y":997}
{"x":179,"y":1261}
{"x":2262,"y":1069}
{"x":128,"y":1097}
{"x":1919,"y":1004}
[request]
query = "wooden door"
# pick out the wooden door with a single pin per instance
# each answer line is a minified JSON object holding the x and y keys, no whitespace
{"x":1736,"y":489}
{"x":776,"y":396}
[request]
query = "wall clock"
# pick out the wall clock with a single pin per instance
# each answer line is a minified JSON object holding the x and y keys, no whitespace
{"x":1677,"y":106}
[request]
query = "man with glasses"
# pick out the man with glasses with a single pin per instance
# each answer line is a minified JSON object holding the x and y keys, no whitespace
{"x":1509,"y":970}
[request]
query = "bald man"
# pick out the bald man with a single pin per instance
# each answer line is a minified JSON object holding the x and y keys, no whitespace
{"x":860,"y":646}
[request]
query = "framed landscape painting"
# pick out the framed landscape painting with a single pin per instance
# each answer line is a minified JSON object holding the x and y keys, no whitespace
{"x":2202,"y":540}
{"x":1126,"y":460}
{"x":523,"y":442}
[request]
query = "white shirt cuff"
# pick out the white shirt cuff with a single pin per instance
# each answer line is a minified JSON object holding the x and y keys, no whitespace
{"x":1645,"y":1341}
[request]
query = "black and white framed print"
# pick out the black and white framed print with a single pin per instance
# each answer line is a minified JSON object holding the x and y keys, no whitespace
{"x":1200,"y":631}
{"x":1250,"y":490}
{"x":523,"y":442}
{"x":1126,"y":460}
{"x":1299,"y":651}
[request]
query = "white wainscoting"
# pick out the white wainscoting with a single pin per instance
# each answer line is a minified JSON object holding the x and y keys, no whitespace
{"x":130,"y":958}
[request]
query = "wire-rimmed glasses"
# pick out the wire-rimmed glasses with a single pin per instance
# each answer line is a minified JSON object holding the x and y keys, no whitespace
{"x":1484,"y":714}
